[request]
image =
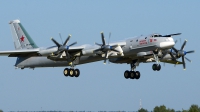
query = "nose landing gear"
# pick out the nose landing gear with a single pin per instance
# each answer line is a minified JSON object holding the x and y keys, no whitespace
{"x":156,"y":67}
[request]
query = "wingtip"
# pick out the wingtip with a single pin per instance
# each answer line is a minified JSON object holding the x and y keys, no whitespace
{"x":70,"y":35}
{"x":101,"y":32}
{"x":51,"y":38}
{"x":184,"y":69}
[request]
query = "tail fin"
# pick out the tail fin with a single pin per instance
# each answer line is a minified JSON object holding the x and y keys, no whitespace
{"x":21,"y":38}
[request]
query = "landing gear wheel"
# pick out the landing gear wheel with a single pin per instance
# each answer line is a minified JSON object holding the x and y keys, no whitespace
{"x":154,"y":67}
{"x":137,"y":74}
{"x":76,"y":72}
{"x":71,"y":72}
{"x":66,"y":72}
{"x":132,"y":74}
{"x":158,"y":67}
{"x":126,"y":74}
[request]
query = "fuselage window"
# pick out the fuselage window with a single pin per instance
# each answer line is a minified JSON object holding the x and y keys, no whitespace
{"x":145,"y":37}
{"x":137,"y":40}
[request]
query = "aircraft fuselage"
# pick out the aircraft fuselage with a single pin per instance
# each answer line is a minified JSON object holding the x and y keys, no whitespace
{"x":131,"y":47}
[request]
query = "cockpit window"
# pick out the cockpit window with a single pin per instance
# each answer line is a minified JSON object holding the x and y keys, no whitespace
{"x":156,"y":35}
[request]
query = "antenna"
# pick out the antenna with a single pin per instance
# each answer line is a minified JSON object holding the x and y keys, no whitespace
{"x":140,"y":104}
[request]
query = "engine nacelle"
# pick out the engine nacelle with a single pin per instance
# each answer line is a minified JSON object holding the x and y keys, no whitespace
{"x":48,"y":51}
{"x":142,"y":54}
{"x":120,"y":60}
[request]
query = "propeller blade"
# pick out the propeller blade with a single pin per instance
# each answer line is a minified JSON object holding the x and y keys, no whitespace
{"x":188,"y":59}
{"x":72,"y":44}
{"x":182,"y":47}
{"x":109,"y":38}
{"x":171,"y":35}
{"x":163,"y":55}
{"x":98,"y":44}
{"x":190,"y":51}
{"x":176,"y":41}
{"x":66,"y":41}
{"x":103,"y":39}
{"x":175,"y":49}
{"x":67,"y":54}
{"x":173,"y":58}
{"x":97,"y":50}
{"x":106,"y":57}
{"x":61,"y":37}
{"x":183,"y":60}
{"x":55,"y":42}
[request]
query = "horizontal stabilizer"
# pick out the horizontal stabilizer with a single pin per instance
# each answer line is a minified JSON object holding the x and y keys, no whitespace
{"x":23,"y":52}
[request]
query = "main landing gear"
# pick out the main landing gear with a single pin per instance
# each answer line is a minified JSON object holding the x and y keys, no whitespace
{"x":71,"y":72}
{"x":132,"y":74}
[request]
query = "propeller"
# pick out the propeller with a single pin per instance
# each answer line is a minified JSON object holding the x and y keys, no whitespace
{"x":105,"y":48}
{"x":181,"y":53}
{"x":64,"y":46}
{"x":169,"y":51}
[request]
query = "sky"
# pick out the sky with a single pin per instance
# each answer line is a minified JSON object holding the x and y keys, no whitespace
{"x":100,"y":87}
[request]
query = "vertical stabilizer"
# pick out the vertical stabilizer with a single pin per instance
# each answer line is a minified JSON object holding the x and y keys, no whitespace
{"x":21,"y":38}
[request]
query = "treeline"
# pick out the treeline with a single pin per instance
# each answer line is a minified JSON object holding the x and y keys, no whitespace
{"x":162,"y":108}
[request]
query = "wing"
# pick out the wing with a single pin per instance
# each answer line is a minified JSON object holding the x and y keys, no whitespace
{"x":22,"y":53}
{"x":75,"y":49}
{"x":172,"y":62}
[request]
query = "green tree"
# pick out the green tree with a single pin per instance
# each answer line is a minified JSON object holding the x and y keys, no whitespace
{"x":142,"y":110}
{"x":194,"y":108}
{"x":1,"y":110}
{"x":162,"y":108}
{"x":184,"y":110}
{"x":170,"y":110}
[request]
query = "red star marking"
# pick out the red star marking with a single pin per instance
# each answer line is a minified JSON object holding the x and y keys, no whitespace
{"x":22,"y":39}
